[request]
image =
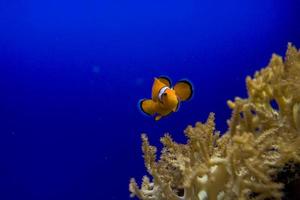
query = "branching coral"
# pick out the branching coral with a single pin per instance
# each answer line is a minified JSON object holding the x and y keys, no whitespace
{"x":263,"y":136}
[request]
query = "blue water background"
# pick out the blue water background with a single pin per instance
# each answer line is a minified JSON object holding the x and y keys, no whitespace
{"x":72,"y":72}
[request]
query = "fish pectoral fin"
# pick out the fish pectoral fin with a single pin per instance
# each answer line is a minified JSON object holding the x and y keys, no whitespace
{"x":147,"y":106}
{"x":184,"y":90}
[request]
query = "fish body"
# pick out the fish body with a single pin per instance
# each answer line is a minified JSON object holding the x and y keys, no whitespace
{"x":166,"y":100}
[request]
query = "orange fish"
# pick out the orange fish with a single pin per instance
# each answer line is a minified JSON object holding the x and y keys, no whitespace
{"x":166,"y":100}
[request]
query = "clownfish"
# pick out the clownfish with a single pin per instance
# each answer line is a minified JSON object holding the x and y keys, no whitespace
{"x":166,"y":100}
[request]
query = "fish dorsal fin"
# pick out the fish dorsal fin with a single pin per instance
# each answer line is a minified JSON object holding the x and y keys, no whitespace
{"x":184,"y":90}
{"x":165,"y":80}
{"x":157,"y":86}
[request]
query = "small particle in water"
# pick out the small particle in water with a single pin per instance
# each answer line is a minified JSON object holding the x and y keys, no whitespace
{"x":96,"y":69}
{"x":139,"y":81}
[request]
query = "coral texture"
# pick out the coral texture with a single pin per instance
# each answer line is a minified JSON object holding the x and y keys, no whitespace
{"x":263,"y":136}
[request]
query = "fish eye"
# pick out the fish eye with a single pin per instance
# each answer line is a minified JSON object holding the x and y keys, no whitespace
{"x":165,"y":94}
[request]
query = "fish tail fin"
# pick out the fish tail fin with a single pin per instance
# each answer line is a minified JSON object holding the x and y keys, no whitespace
{"x":147,"y":106}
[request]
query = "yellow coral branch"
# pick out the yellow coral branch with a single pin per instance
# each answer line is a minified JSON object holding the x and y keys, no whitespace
{"x":242,"y":163}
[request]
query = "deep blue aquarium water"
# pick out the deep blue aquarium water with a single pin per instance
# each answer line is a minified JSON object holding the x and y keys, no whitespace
{"x":72,"y":72}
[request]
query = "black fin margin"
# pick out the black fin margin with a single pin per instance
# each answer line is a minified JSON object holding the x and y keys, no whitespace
{"x":139,"y":105}
{"x":167,"y":79}
{"x":178,"y":105}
